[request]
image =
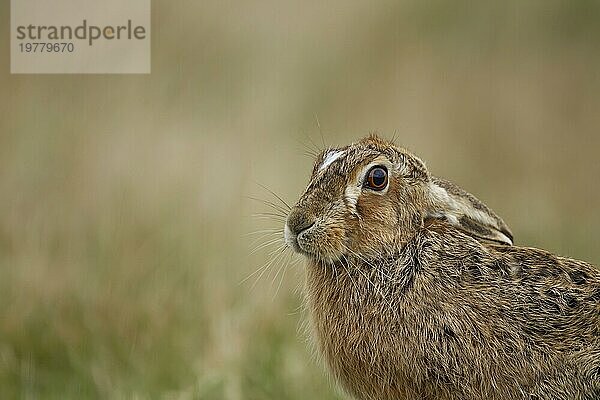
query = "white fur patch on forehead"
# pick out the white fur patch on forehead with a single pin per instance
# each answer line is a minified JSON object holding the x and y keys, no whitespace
{"x":331,"y":156}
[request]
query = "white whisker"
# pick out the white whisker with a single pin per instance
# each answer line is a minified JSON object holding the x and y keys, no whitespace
{"x":285,"y":205}
{"x":268,"y":265}
{"x":265,"y":244}
{"x":264,"y":231}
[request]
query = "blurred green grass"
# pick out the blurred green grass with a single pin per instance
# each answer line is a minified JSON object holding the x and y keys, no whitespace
{"x":122,"y":198}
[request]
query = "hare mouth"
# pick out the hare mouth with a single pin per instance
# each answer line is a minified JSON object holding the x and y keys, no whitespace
{"x":306,"y":244}
{"x":295,"y":241}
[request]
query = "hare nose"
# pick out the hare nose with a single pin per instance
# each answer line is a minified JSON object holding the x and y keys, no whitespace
{"x":299,"y":221}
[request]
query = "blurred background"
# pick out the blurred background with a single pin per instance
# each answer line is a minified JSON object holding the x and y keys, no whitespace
{"x":124,"y":200}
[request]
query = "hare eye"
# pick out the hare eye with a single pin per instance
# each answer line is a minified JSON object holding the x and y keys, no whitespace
{"x":377,"y":178}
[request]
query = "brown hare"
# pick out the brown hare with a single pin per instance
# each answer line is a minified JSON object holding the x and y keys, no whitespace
{"x":415,"y":290}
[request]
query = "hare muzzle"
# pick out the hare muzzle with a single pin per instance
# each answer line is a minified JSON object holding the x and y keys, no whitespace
{"x":297,"y":229}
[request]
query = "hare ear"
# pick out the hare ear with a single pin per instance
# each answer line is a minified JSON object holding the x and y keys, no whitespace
{"x":466,"y":212}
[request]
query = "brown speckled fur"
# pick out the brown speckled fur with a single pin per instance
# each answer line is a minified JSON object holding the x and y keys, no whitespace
{"x":407,"y":305}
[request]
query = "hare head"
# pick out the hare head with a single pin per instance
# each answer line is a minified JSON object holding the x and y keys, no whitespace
{"x":368,"y":198}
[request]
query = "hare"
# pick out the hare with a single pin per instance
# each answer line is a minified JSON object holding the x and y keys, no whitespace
{"x":415,"y":290}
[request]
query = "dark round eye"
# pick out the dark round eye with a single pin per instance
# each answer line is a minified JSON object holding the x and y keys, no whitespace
{"x":377,"y":178}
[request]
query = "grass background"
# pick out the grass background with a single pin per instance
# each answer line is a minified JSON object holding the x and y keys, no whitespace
{"x":122,"y":198}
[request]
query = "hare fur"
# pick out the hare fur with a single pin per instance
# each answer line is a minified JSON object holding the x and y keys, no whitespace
{"x":415,"y":291}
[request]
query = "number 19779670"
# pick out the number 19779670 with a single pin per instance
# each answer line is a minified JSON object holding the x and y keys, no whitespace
{"x":44,"y":47}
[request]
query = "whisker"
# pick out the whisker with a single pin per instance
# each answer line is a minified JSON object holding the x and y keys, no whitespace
{"x":256,"y":271}
{"x":310,"y":155}
{"x":265,"y":244}
{"x":265,"y":265}
{"x":275,"y":250}
{"x":320,"y":131}
{"x":277,"y":258}
{"x":275,"y":207}
{"x":272,"y":212}
{"x":278,"y":197}
{"x":271,"y":263}
{"x":295,"y":261}
{"x":278,"y":220}
{"x":261,"y":231}
{"x":265,"y":236}
{"x":269,"y":214}
{"x":298,"y":309}
{"x":308,"y":150}
{"x":314,"y":146}
{"x":283,"y":266}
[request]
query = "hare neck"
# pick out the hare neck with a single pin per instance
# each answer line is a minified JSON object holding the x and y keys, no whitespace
{"x":356,"y":312}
